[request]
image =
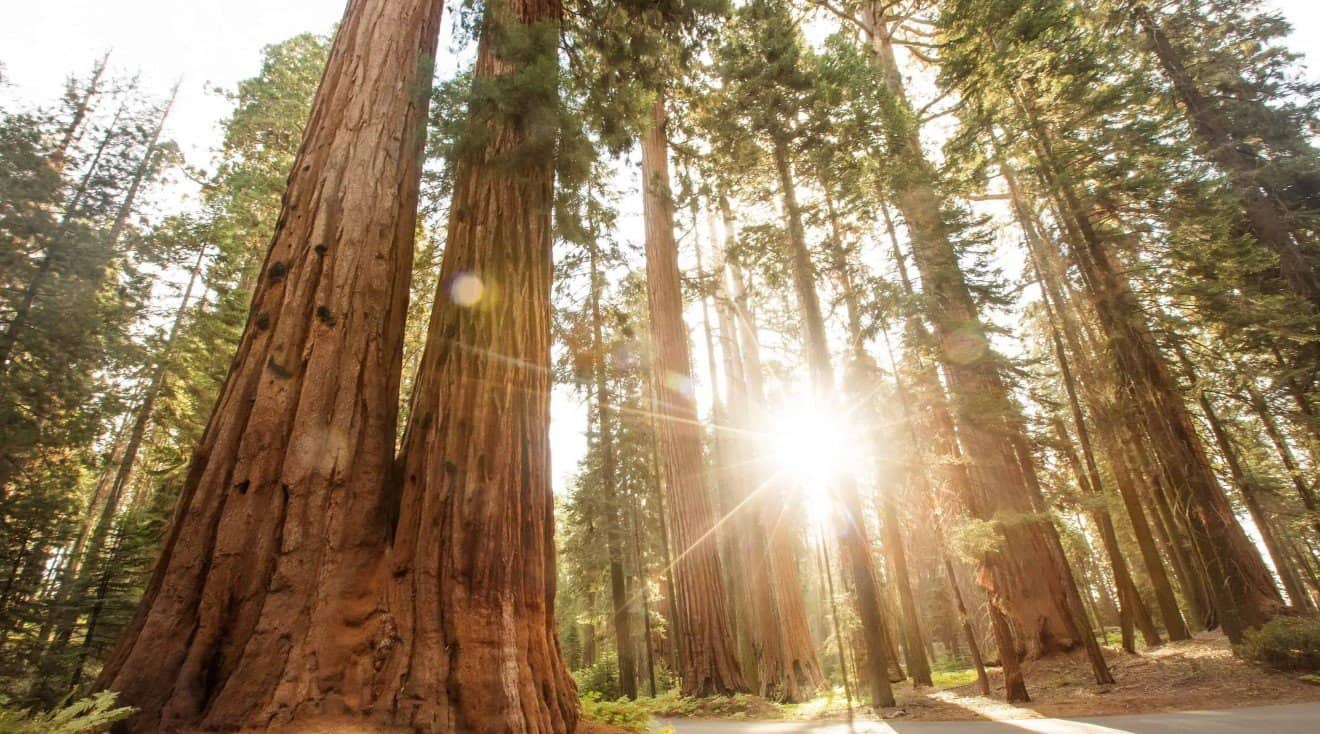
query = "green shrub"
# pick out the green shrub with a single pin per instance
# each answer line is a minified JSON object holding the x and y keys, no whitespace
{"x":625,"y":714}
{"x":741,"y":706}
{"x":88,"y":716}
{"x":1286,"y":643}
{"x":601,"y":679}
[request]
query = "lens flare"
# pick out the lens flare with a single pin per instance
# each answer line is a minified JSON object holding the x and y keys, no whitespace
{"x":814,"y":443}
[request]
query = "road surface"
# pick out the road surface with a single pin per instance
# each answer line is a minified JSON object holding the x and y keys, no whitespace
{"x":1292,"y":719}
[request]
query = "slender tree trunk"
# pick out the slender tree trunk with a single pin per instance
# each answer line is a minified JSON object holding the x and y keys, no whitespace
{"x":1246,"y":487}
{"x":827,"y":572}
{"x":1175,"y":540}
{"x":1048,"y":270}
{"x":1167,"y":603}
{"x":1244,"y":593}
{"x":622,"y":619}
{"x":1015,"y":688}
{"x":671,"y":587}
{"x":1031,"y":578}
{"x":982,"y":680}
{"x":74,"y":131}
{"x":749,"y":588}
{"x":788,"y":666}
{"x":850,"y":527}
{"x":1131,"y":608}
{"x":72,"y":583}
{"x":1266,"y":212}
{"x":644,"y":578}
{"x":710,"y":665}
{"x":864,"y":384}
{"x":54,"y":250}
{"x":1299,"y":478}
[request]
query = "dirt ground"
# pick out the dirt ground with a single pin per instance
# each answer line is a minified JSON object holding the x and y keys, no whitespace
{"x":1184,"y":676}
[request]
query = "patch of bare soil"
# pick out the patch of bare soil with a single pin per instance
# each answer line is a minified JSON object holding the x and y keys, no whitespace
{"x":1184,"y":676}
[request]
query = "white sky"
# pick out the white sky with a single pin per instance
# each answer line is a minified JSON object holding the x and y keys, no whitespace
{"x":218,"y":42}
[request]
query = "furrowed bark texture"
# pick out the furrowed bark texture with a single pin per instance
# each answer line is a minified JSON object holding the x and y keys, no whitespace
{"x":266,"y":602}
{"x":709,"y":664}
{"x":307,"y":573}
{"x":473,"y":578}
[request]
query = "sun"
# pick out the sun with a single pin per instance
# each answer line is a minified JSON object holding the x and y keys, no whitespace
{"x":812,"y":443}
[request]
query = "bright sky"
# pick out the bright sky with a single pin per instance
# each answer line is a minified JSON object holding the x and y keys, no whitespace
{"x":218,"y":42}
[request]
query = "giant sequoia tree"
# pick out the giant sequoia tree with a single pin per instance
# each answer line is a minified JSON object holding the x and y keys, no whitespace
{"x":710,"y":665}
{"x":302,"y":595}
{"x":1065,"y":250}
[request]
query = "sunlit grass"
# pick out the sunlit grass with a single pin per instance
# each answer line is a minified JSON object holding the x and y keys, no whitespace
{"x":953,"y":678}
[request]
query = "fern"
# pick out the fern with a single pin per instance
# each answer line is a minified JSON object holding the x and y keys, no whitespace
{"x":86,"y":716}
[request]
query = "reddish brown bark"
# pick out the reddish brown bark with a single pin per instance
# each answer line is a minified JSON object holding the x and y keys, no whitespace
{"x":266,"y":603}
{"x":1066,"y":327}
{"x":788,"y":668}
{"x":864,"y":385}
{"x":1244,"y":594}
{"x":473,"y":579}
{"x":286,"y":591}
{"x":1030,"y":577}
{"x":709,"y":664}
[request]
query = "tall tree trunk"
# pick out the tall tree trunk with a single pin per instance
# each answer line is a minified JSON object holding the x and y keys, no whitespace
{"x":850,"y":527}
{"x":973,"y":647}
{"x":1015,"y":688}
{"x":1243,"y":591}
{"x":54,"y":250}
{"x":749,"y":589}
{"x":140,"y":174}
{"x":864,"y":384}
{"x":1267,"y":214}
{"x":74,"y":131}
{"x":285,"y":589}
{"x":623,"y":638}
{"x":1031,"y":577}
{"x":788,"y":666}
{"x":670,"y":590}
{"x":473,"y":561}
{"x":1299,"y":477}
{"x":72,"y":583}
{"x":644,"y":577}
{"x":1044,"y":260}
{"x":1191,"y":577}
{"x":1170,"y":614}
{"x":1246,"y":486}
{"x":1131,"y":608}
{"x":710,"y":664}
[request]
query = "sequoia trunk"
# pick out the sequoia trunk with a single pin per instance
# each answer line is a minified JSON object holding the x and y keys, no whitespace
{"x":709,"y":663}
{"x":266,"y":604}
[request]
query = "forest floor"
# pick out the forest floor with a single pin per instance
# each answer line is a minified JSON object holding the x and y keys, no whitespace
{"x":1194,"y":675}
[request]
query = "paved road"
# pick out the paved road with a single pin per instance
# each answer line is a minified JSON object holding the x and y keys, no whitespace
{"x":1294,"y":719}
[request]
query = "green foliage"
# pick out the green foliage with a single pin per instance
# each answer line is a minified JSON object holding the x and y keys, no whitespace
{"x":952,"y":678}
{"x":1286,"y":643}
{"x":627,"y":715}
{"x":739,"y":706}
{"x":87,"y":716}
{"x":601,"y":679}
